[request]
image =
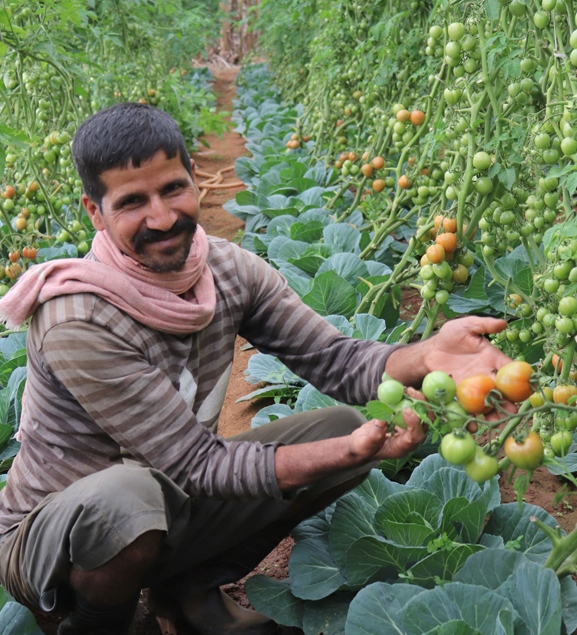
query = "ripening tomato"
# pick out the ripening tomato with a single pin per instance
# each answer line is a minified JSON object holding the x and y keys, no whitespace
{"x":403,"y":115}
{"x":472,"y":392}
{"x":367,"y":170}
{"x":448,"y":241}
{"x":513,"y":381}
{"x":435,"y":253}
{"x":404,"y":182}
{"x":378,"y":185}
{"x":525,"y":453}
{"x":537,"y":399}
{"x":30,"y":252}
{"x":417,"y":117}
{"x":378,"y":163}
{"x":562,"y":393}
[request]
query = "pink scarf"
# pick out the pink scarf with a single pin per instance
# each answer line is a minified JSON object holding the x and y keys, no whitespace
{"x":148,"y":297}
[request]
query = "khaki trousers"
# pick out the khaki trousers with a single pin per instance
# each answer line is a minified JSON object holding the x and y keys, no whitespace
{"x":211,"y":542}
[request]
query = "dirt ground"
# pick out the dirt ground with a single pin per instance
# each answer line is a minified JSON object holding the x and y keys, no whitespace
{"x":236,"y":417}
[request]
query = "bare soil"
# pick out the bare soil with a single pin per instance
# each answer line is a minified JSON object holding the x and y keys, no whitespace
{"x":237,"y":417}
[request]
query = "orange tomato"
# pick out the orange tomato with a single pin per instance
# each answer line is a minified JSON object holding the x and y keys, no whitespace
{"x":367,"y":170}
{"x":378,"y":163}
{"x":512,"y":381}
{"x":379,"y":185}
{"x":435,"y":253}
{"x":472,"y":392}
{"x":448,"y":241}
{"x":417,"y":117}
{"x":404,"y":182}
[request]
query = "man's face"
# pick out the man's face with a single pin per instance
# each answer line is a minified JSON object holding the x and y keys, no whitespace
{"x":150,"y":212}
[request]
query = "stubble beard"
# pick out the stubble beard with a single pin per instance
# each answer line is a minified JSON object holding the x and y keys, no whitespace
{"x":170,"y":258}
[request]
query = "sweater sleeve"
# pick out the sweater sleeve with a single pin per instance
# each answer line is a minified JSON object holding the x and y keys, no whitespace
{"x":136,"y":404}
{"x":277,"y":322}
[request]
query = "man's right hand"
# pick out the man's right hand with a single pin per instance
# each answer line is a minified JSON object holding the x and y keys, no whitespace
{"x":373,"y":440}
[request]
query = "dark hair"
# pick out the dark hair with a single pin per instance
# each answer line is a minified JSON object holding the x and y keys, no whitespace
{"x":122,"y":135}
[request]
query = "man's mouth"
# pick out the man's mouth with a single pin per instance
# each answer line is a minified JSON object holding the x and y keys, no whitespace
{"x":163,"y":239}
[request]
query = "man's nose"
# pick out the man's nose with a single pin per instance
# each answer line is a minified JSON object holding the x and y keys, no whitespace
{"x":160,"y":217}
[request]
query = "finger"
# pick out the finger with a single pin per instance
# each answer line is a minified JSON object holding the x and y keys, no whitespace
{"x":485,"y":325}
{"x":415,"y":430}
{"x":415,"y":394}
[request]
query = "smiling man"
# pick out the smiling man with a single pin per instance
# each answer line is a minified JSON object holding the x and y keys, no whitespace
{"x":122,"y":482}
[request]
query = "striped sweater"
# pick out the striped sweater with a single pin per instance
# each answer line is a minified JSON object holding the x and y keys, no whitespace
{"x":102,"y":387}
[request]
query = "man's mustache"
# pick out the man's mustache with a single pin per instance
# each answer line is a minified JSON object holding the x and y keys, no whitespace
{"x":149,"y":236}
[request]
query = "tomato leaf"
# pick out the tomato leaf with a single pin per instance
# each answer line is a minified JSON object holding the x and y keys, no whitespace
{"x":379,"y":410}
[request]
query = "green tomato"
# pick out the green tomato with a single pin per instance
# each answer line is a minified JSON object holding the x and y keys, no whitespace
{"x":561,"y":442}
{"x":541,"y":19}
{"x":466,"y":258}
{"x":551,"y":156}
{"x":456,"y":415}
{"x":456,"y":31}
{"x":568,"y":146}
{"x":484,"y":185}
{"x":568,"y":306}
{"x":453,"y":50}
{"x":391,"y":392}
{"x":442,"y":297}
{"x":443,"y":270}
{"x":564,"y":325}
{"x":481,"y":161}
{"x":458,"y":448}
{"x":542,"y":141}
{"x":398,"y":419}
{"x":482,"y":467}
{"x":548,"y":183}
{"x":562,"y":270}
{"x":439,"y":387}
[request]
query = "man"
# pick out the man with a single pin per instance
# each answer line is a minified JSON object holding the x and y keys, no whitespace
{"x":121,"y":483}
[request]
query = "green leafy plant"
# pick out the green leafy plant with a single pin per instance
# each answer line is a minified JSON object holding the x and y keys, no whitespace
{"x":419,"y":557}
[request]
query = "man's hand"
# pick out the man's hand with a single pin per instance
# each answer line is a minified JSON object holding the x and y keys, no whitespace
{"x":372,"y":440}
{"x":304,"y":463}
{"x":459,"y":348}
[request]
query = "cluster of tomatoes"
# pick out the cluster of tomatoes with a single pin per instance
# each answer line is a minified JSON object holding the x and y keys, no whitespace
{"x":353,"y":164}
{"x":403,"y":124}
{"x":296,"y":140}
{"x":444,"y":264}
{"x":457,"y":406}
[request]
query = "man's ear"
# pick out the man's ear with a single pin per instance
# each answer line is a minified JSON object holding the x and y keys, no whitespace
{"x":94,"y":213}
